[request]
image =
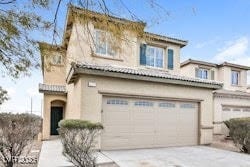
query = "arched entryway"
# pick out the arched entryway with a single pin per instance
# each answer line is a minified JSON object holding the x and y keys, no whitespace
{"x":56,"y":115}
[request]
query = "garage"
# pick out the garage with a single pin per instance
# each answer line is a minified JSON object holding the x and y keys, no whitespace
{"x":229,"y":112}
{"x":147,"y":123}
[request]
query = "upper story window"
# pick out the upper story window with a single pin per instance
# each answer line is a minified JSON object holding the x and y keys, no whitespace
{"x":151,"y":56}
{"x":201,"y":73}
{"x":57,"y":60}
{"x":235,"y":76}
{"x":103,"y":43}
{"x":170,"y":59}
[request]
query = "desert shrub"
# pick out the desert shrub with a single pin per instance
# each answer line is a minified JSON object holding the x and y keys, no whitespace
{"x":78,"y":139}
{"x":239,"y":131}
{"x":17,"y":131}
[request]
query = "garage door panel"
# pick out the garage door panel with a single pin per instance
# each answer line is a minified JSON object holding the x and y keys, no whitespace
{"x":117,"y":129}
{"x":161,"y":140}
{"x":149,"y":123}
{"x":166,"y":128}
{"x":116,"y":118}
{"x":140,"y":140}
{"x":186,"y":140}
{"x":142,"y":115}
{"x":143,"y":129}
{"x":111,"y":142}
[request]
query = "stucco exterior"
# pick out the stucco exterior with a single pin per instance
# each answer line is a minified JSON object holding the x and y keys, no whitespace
{"x":91,"y":104}
{"x":80,"y":43}
{"x":48,"y":101}
{"x":234,"y":96}
{"x":84,"y":91}
{"x":219,"y":102}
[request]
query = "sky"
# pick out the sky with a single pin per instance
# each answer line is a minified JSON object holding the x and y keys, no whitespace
{"x":216,"y":30}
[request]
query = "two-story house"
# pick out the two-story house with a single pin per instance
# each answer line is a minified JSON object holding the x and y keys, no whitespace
{"x":136,"y":93}
{"x":233,"y":100}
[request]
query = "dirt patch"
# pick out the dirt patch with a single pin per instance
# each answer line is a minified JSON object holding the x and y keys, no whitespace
{"x":221,"y":142}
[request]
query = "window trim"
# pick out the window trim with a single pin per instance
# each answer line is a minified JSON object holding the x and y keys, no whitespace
{"x":163,"y":57}
{"x":106,"y":45}
{"x":202,"y":73}
{"x":238,"y":79}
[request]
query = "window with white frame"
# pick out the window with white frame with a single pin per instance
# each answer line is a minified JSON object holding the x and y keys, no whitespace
{"x":151,"y":56}
{"x":103,"y":43}
{"x":202,"y":73}
{"x":235,"y":76}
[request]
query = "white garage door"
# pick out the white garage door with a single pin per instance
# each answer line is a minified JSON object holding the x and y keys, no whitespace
{"x":229,"y":112}
{"x":140,"y":123}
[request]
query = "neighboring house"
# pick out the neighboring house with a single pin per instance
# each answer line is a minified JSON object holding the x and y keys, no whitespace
{"x":137,"y":94}
{"x":230,"y":102}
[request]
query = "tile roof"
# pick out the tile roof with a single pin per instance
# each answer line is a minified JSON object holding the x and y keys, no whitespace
{"x":143,"y":72}
{"x":57,"y":89}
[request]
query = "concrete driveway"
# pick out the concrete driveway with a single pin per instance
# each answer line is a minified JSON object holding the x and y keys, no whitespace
{"x":195,"y":156}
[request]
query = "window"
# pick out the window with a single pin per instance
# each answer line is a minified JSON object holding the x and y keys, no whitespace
{"x":246,"y":110}
{"x":117,"y":102}
{"x":56,"y":60}
{"x":235,"y":77}
{"x":103,"y":43}
{"x":202,"y":73}
{"x":167,"y":105}
{"x":226,"y":109}
{"x":236,"y":109}
{"x":151,"y":56}
{"x":144,"y":103}
{"x":187,"y":105}
{"x":170,"y":59}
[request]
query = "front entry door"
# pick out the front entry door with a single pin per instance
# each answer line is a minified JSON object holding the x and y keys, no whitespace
{"x":56,"y":116}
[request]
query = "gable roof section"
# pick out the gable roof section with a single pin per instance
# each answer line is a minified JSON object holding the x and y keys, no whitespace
{"x":191,"y":61}
{"x":138,"y":74}
{"x":69,"y":24}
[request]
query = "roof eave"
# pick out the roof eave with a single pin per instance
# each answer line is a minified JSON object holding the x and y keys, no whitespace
{"x":234,"y":66}
{"x":78,"y":71}
{"x":190,"y":61}
{"x":52,"y":92}
{"x":182,"y":43}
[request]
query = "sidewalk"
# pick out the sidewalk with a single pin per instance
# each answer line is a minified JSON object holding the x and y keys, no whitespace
{"x":51,"y":155}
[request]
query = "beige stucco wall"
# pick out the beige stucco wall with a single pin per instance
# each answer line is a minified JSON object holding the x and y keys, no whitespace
{"x":74,"y":97}
{"x":189,"y":70}
{"x":222,"y":74}
{"x":53,"y":74}
{"x":47,"y":99}
{"x":80,"y":44}
{"x":219,"y":127}
{"x":225,"y":77}
{"x":91,"y":101}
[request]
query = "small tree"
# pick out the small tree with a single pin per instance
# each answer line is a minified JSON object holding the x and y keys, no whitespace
{"x":78,"y":138}
{"x":17,"y":131}
{"x":239,"y":131}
